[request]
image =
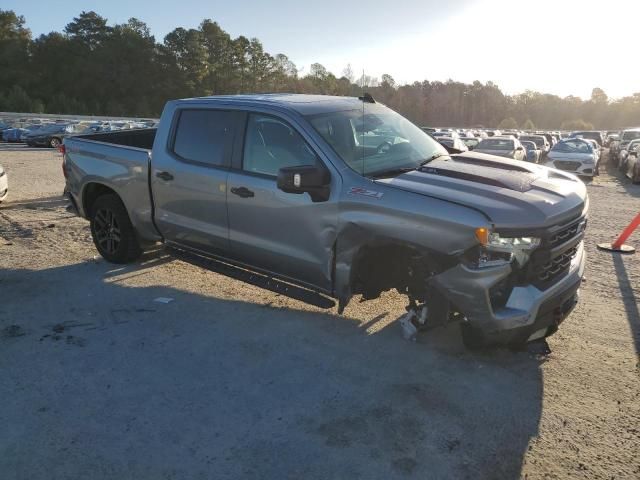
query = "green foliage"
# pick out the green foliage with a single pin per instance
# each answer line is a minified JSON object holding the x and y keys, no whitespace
{"x":576,"y":125}
{"x":96,"y":68}
{"x":528,"y":125}
{"x":17,"y":100}
{"x":508,"y":124}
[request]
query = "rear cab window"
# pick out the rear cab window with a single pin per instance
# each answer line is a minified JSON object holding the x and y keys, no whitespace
{"x":204,"y":136}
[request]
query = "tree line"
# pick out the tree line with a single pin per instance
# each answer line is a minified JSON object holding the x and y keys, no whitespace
{"x":94,"y":68}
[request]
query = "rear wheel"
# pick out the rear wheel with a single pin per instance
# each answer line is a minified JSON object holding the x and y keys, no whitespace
{"x":54,"y":142}
{"x":112,"y":231}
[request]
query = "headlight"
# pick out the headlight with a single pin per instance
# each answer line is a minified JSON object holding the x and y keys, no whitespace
{"x":496,"y":250}
{"x":588,"y":161}
{"x":510,"y":244}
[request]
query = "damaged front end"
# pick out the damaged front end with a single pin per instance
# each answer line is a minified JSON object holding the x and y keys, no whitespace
{"x":512,"y":287}
{"x":518,"y":286}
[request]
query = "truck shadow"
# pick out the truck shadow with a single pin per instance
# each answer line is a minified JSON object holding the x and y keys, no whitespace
{"x":47,"y":203}
{"x":629,"y":299}
{"x":206,"y":385}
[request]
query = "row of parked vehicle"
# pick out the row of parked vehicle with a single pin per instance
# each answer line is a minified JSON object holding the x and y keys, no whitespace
{"x":577,"y":152}
{"x":51,"y":133}
{"x":624,"y":148}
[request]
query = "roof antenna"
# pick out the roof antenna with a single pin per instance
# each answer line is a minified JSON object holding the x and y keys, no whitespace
{"x":362,"y":128}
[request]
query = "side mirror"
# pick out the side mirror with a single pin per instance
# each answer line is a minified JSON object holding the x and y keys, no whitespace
{"x":520,"y":148}
{"x":311,"y":179}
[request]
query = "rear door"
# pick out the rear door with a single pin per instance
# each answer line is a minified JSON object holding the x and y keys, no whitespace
{"x":189,"y":178}
{"x":280,"y":232}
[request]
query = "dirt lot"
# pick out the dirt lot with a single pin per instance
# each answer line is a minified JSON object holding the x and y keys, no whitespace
{"x":232,"y":381}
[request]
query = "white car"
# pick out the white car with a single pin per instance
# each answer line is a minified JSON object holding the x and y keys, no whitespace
{"x":4,"y":184}
{"x":574,"y":155}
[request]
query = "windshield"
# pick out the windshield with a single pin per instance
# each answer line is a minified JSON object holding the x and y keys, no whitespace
{"x":375,"y":139}
{"x":496,"y":144}
{"x":631,"y":135}
{"x":539,"y":141}
{"x":573,"y":146}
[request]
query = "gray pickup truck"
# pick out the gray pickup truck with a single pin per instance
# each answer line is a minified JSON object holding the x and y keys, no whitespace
{"x":341,"y":196}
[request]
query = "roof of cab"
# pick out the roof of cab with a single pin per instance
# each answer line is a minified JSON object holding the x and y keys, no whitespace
{"x":300,"y":103}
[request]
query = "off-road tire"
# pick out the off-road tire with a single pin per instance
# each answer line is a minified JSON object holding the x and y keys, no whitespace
{"x":112,"y":231}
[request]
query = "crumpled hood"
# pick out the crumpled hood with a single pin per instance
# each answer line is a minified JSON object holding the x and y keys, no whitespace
{"x":510,"y":193}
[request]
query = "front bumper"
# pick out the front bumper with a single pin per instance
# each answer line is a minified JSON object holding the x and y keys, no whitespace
{"x":583,"y":169}
{"x":527,"y":309}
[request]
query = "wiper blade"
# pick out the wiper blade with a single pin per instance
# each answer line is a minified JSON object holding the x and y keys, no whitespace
{"x":392,"y":172}
{"x":433,"y":157}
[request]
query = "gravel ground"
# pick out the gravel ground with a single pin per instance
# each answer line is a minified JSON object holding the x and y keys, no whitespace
{"x":232,"y":381}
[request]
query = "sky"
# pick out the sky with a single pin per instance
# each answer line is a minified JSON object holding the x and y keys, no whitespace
{"x":564,"y":47}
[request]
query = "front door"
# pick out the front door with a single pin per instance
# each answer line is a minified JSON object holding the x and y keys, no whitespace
{"x":284,"y":233}
{"x":189,"y":179}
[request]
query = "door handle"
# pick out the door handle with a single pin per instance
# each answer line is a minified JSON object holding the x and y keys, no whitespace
{"x":166,"y":176}
{"x":243,"y":192}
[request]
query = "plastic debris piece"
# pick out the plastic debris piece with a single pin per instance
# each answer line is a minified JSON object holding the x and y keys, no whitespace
{"x":163,"y":300}
{"x":409,"y":330}
{"x":422,"y":319}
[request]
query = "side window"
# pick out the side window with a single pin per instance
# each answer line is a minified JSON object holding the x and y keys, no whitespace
{"x":271,"y":144}
{"x":204,"y":136}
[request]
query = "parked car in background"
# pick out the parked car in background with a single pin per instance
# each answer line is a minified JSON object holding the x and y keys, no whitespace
{"x":508,"y":147}
{"x":596,"y":148}
{"x":574,"y":155}
{"x":632,"y":163}
{"x":626,"y":136}
{"x":452,"y":143}
{"x":552,"y":141}
{"x":12,"y":135}
{"x":4,"y":184}
{"x":445,"y":133}
{"x":623,"y":155}
{"x":592,"y":134}
{"x":29,"y":129}
{"x":541,"y":142}
{"x":428,"y":129}
{"x":49,"y":136}
{"x":470,"y":142}
{"x":610,"y":136}
{"x":533,"y":152}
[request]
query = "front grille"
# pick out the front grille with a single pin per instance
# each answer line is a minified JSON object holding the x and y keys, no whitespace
{"x":565,"y":165}
{"x":550,"y":262}
{"x":552,"y":271}
{"x":558,"y":238}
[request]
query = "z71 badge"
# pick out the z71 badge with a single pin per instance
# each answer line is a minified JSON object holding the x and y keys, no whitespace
{"x":365,"y":193}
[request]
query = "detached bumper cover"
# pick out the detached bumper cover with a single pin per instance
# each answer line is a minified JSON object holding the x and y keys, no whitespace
{"x":527,"y":309}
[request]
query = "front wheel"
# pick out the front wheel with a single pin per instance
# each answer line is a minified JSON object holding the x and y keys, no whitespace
{"x":112,"y":231}
{"x":54,"y":142}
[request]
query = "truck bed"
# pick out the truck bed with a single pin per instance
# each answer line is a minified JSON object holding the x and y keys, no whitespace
{"x":117,"y":160}
{"x":139,"y":138}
